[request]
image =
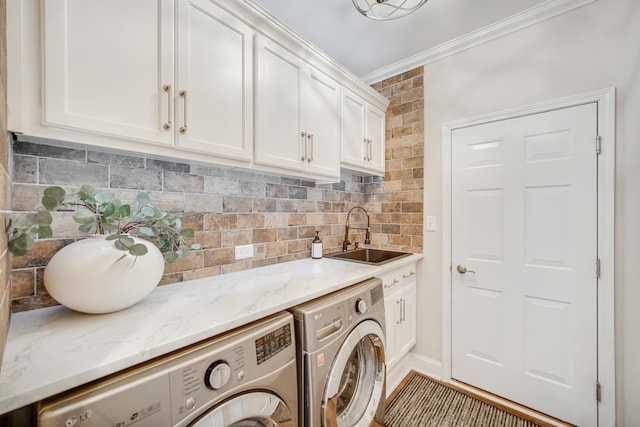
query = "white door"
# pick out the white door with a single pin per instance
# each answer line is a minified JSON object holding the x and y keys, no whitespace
{"x":105,"y":66}
{"x":524,"y":224}
{"x":215,"y":81}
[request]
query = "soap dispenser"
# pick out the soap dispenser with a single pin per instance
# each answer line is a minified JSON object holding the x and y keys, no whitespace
{"x":316,"y":247}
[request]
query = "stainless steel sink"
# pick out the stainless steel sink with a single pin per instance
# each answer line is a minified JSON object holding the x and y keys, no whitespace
{"x":368,"y":256}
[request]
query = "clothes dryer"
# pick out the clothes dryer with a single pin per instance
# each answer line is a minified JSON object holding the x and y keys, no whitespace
{"x":244,"y":378}
{"x":341,"y":362}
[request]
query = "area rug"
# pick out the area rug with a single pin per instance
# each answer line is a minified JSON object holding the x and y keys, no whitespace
{"x":422,"y":402}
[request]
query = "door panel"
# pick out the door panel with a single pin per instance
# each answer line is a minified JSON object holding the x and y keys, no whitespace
{"x":215,"y":60}
{"x":524,"y":224}
{"x":105,"y":64}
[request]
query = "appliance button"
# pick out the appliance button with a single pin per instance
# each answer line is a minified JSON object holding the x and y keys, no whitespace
{"x":241,"y":376}
{"x":217,"y":375}
{"x":71,"y":421}
{"x":361,"y":306}
{"x":190,"y":403}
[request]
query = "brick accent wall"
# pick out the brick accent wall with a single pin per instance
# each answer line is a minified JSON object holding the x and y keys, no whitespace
{"x":399,"y":198}
{"x":5,"y":185}
{"x":229,"y":207}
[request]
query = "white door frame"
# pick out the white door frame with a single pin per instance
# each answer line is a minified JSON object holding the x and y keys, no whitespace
{"x":605,"y":98}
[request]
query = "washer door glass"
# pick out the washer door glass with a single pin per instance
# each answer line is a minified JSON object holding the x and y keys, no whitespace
{"x":256,"y":409}
{"x":356,"y":383}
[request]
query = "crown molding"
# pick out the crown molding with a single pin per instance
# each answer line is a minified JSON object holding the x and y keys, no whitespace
{"x":534,"y":15}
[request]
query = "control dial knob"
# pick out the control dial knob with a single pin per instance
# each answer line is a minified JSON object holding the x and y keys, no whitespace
{"x":217,"y":375}
{"x":361,"y":306}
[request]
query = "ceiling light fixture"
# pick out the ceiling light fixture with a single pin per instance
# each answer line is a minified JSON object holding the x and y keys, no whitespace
{"x":384,"y":10}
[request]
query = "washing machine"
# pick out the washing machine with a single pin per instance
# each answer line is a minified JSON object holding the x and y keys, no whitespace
{"x":341,"y":357}
{"x":244,"y":378}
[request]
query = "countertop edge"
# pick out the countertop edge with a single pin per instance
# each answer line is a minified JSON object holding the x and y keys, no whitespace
{"x":30,"y":332}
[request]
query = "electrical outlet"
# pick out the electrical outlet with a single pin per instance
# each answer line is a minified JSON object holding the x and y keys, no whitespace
{"x":430,"y":223}
{"x":244,"y":251}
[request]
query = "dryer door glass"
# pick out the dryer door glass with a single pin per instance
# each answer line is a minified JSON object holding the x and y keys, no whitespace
{"x":355,"y":387}
{"x":257,"y":409}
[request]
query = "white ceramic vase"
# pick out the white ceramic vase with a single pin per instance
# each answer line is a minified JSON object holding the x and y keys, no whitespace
{"x":86,"y":275}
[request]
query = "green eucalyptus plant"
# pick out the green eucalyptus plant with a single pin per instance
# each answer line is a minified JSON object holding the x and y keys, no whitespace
{"x":101,"y":213}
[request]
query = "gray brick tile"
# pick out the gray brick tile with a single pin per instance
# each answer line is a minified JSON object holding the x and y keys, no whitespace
{"x":202,"y":203}
{"x":265,"y":205}
{"x":25,"y":169}
{"x":43,"y":150}
{"x":137,"y":179}
{"x":181,"y":182}
{"x":237,"y":204}
{"x":115,"y":159}
{"x":206,"y":170}
{"x":166,"y":165}
{"x":62,"y":172}
{"x":252,"y":188}
{"x":220,"y":186}
{"x":287,"y":205}
{"x":297,"y":193}
{"x":277,"y":191}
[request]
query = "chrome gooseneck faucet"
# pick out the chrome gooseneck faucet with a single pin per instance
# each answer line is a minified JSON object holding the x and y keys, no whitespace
{"x":367,"y":236}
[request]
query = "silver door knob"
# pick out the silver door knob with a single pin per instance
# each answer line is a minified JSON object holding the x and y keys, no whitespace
{"x":462,"y":269}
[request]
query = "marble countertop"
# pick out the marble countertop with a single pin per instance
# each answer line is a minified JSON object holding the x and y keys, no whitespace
{"x":54,"y":349}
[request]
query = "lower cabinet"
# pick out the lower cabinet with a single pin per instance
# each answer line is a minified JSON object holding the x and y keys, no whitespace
{"x":400,"y":313}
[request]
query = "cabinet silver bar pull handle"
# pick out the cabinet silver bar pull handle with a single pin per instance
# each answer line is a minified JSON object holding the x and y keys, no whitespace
{"x":370,"y":150}
{"x":399,"y":321}
{"x":304,"y":146}
{"x":183,"y":95}
{"x":167,"y":89}
{"x":404,"y":310}
{"x":366,"y":148}
{"x":310,"y":137}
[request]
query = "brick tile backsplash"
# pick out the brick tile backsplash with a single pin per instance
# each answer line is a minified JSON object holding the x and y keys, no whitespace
{"x":278,"y":215}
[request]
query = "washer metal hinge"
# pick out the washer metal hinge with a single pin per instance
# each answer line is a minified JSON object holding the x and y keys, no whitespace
{"x":598,"y":392}
{"x":598,"y":268}
{"x":598,"y":144}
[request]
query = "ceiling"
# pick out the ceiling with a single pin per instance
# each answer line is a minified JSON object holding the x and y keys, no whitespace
{"x":363,"y":45}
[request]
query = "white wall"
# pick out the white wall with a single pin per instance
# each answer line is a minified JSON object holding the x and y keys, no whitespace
{"x":593,"y":47}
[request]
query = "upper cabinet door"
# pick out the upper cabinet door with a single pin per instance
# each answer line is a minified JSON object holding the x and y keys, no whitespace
{"x":105,"y":65}
{"x":362,"y":136}
{"x":279,"y":78}
{"x":353,"y":133}
{"x":375,"y":135}
{"x":214,"y":91}
{"x":321,"y":122}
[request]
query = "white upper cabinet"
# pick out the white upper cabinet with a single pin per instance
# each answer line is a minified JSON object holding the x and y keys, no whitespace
{"x":216,"y":81}
{"x":105,"y":63}
{"x":297,"y":114}
{"x":362,"y":135}
{"x":109,"y":68}
{"x":214,"y":91}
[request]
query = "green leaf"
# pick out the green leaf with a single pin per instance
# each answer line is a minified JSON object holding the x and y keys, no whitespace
{"x":42,"y":217}
{"x":21,"y":244}
{"x":85,"y":228}
{"x":86,"y":192}
{"x":50,"y":203}
{"x":83,"y":217}
{"x":148,"y":211}
{"x":113,"y":236}
{"x":169,"y":257}
{"x":109,"y":209}
{"x":104,"y":197}
{"x":187,"y":232}
{"x":138,"y":249}
{"x":45,"y":232}
{"x":143,"y":198}
{"x":118,"y":244}
{"x":147,"y":231}
{"x":56,"y":193}
{"x":127,"y":241}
